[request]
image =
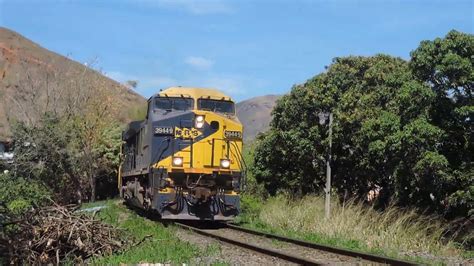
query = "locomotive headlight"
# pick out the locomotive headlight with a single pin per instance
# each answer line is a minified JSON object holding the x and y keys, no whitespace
{"x":199,"y":121}
{"x":199,"y":118}
{"x":199,"y":124}
{"x":225,"y":163}
{"x":177,"y":161}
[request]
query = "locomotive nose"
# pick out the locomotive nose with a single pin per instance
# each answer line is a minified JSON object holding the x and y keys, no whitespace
{"x":213,"y":148}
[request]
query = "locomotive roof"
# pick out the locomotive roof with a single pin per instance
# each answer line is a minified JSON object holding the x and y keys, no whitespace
{"x":195,"y":93}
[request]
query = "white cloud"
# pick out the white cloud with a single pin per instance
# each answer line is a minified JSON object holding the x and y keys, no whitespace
{"x":199,"y":62}
{"x":197,"y":7}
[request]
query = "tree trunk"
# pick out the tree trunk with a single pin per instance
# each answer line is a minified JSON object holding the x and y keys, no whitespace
{"x":79,"y":196}
{"x":92,"y":179}
{"x":92,"y":184}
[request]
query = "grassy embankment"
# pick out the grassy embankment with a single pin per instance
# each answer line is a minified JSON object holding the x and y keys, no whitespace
{"x":160,"y":245}
{"x":394,"y":232}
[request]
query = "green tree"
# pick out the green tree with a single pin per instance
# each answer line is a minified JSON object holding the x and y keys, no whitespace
{"x":446,"y":65}
{"x":403,"y":127}
{"x":382,"y":135}
{"x":106,"y":151}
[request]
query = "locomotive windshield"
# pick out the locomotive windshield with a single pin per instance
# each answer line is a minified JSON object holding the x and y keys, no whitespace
{"x":226,"y":107}
{"x":174,"y":103}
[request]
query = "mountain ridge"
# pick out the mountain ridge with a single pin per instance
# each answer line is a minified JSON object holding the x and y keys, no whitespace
{"x":255,"y":114}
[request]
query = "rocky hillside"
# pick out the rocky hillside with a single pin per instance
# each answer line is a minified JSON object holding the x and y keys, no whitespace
{"x":31,"y":74}
{"x":255,"y":114}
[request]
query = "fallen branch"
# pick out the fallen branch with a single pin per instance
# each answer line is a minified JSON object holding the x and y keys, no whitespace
{"x":56,"y":233}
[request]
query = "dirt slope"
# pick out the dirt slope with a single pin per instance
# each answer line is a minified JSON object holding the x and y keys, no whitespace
{"x":255,"y":114}
{"x":28,"y":72}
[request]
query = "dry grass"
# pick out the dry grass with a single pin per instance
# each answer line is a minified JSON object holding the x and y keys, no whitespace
{"x":394,"y":230}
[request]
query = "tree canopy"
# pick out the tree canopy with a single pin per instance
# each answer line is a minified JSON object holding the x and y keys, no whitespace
{"x":402,"y":127}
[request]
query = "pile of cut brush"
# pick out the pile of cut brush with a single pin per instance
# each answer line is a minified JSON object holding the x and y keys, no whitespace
{"x":55,"y":234}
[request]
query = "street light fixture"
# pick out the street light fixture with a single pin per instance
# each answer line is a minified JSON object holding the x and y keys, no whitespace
{"x":322,"y":121}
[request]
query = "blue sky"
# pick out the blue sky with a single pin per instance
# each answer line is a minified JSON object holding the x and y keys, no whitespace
{"x":245,"y":48}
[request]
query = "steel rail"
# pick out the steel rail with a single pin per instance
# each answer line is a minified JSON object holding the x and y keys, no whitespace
{"x":266,"y":251}
{"x":340,"y":251}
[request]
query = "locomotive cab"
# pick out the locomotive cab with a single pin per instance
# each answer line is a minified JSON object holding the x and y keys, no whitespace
{"x":184,"y":160}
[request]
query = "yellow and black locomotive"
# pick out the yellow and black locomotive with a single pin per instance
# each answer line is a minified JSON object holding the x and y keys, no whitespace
{"x":184,"y":161}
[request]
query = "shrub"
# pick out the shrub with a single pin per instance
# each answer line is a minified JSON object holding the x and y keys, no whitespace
{"x":42,"y":154}
{"x":251,"y":206}
{"x":18,"y":194}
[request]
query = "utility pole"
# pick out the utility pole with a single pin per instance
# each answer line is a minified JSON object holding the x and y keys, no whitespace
{"x":323,"y":117}
{"x":328,"y":171}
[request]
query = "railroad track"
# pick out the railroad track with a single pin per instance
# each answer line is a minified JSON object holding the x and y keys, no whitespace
{"x":221,"y":232}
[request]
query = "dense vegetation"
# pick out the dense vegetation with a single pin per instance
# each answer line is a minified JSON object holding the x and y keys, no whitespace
{"x":54,"y":153}
{"x":70,"y":144}
{"x":403,"y":127}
